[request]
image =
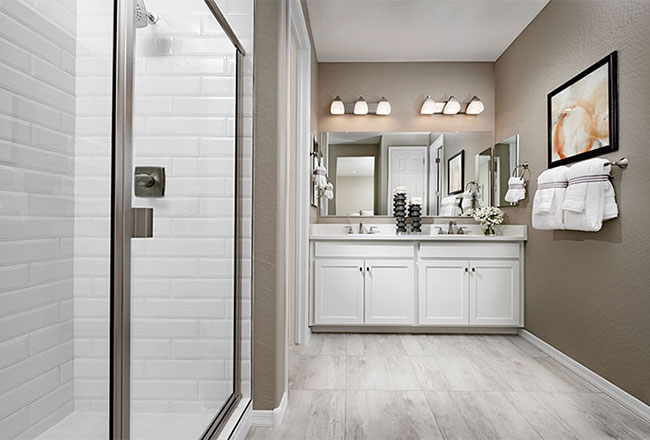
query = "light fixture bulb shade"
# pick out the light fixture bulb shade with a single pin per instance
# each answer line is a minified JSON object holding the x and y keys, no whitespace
{"x":383,"y":107}
{"x":361,"y":107}
{"x":452,"y":107}
{"x":337,"y":107}
{"x":475,"y":106}
{"x":428,"y":106}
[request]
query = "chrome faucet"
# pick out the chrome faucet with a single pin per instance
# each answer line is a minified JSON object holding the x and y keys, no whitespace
{"x":361,"y":230}
{"x":450,"y":230}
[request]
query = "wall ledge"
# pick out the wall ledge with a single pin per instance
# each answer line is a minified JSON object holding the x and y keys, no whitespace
{"x":622,"y":397}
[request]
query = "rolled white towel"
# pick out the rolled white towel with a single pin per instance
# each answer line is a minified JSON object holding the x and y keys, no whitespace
{"x":589,"y":198}
{"x":516,"y":189}
{"x":399,"y":190}
{"x":415,"y":201}
{"x":547,"y":203}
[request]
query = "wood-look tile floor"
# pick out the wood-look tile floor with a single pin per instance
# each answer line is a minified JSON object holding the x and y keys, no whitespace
{"x":376,"y":387}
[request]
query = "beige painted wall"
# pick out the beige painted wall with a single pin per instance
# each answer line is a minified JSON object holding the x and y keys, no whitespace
{"x":355,"y":193}
{"x":596,"y":305}
{"x":269,"y":188}
{"x":406,"y":86}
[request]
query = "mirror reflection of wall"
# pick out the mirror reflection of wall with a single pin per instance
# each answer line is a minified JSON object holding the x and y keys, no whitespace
{"x":415,"y":160}
{"x":355,"y":190}
{"x":483,"y":174}
{"x":506,"y":158}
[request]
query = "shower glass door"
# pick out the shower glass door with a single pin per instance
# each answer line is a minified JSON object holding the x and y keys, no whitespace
{"x":183,"y":314}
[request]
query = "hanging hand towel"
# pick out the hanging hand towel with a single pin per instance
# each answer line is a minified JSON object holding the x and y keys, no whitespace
{"x":320,"y":175}
{"x":329,"y":191}
{"x":589,"y":197}
{"x":547,"y":203}
{"x":516,"y":189}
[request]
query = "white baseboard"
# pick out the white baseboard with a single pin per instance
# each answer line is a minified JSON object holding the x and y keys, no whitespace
{"x":270,"y":417}
{"x":622,"y":397}
{"x":239,"y":423}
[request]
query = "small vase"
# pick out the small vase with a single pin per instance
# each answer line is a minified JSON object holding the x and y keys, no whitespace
{"x":489,"y":231}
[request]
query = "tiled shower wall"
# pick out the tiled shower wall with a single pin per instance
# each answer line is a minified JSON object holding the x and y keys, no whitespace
{"x":182,"y":287}
{"x":37,"y":109}
{"x":54,"y":210}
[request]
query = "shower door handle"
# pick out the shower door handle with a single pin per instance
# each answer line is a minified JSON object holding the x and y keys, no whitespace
{"x":142,"y":223}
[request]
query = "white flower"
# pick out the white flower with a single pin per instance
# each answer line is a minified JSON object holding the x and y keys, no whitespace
{"x":488,"y":216}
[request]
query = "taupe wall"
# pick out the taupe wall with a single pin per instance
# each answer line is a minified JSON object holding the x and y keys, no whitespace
{"x":587,"y":294}
{"x":406,"y":86}
{"x":269,"y":189}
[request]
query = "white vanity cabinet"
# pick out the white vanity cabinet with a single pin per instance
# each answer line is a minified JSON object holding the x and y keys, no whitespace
{"x":376,"y":287}
{"x":494,"y":293}
{"x":339,"y":286}
{"x":389,"y":292}
{"x":443,"y":292}
{"x":423,"y":281}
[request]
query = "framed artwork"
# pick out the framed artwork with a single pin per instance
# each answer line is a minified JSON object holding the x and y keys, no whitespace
{"x":456,"y":173}
{"x":583,"y":115}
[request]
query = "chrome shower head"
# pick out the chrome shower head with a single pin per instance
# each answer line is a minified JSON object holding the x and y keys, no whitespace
{"x":142,"y":16}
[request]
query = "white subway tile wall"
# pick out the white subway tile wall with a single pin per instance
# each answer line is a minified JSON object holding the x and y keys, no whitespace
{"x":55,"y":107}
{"x":37,"y":110}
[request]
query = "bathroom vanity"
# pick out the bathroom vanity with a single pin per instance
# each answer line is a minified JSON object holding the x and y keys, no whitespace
{"x":419,"y":281}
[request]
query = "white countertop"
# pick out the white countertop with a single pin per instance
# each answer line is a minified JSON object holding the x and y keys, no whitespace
{"x":337,"y":232}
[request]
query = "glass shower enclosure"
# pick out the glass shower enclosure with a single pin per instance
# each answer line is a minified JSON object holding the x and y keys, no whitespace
{"x":124,"y":218}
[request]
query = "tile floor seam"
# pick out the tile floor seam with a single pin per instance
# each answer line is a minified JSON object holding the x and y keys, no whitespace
{"x":442,"y":432}
{"x":524,"y":418}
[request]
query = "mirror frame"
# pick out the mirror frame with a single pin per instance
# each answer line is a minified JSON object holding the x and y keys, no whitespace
{"x":496,"y":201}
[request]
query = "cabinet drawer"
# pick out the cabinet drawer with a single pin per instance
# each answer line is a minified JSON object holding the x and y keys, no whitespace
{"x":363,"y":250}
{"x":469,"y":250}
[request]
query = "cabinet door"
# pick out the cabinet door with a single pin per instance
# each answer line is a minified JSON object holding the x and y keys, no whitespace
{"x":443,"y":292}
{"x":494,"y":292}
{"x":389,"y":292}
{"x":339,"y":291}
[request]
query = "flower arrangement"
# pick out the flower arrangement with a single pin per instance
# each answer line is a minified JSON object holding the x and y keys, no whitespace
{"x":488,"y":217}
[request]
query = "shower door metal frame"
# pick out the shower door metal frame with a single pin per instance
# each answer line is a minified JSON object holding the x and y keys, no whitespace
{"x":122,"y":222}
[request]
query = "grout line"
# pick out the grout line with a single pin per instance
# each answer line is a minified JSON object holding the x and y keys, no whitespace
{"x":521,"y":414}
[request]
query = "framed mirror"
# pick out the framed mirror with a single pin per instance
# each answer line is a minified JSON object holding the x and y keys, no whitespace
{"x":365,"y":168}
{"x":506,"y":158}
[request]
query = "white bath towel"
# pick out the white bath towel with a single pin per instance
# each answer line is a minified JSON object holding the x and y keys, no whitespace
{"x":469,"y":201}
{"x":547,"y":203}
{"x":516,"y":190}
{"x":329,"y":191}
{"x":450,"y":206}
{"x":589,"y":198}
{"x":320,"y":175}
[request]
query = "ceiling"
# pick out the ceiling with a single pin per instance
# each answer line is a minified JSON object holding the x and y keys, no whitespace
{"x":417,"y":30}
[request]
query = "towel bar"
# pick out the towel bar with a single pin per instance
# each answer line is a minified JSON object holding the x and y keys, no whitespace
{"x":622,"y":163}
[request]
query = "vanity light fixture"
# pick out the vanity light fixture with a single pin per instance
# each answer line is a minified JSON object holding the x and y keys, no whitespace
{"x":428,"y":106}
{"x":475,"y":106}
{"x":337,"y":107}
{"x":360,"y":107}
{"x":452,"y":106}
{"x":383,"y":107}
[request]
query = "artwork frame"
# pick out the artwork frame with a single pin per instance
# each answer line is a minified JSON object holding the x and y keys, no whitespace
{"x":456,"y":173}
{"x":586,"y":110}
